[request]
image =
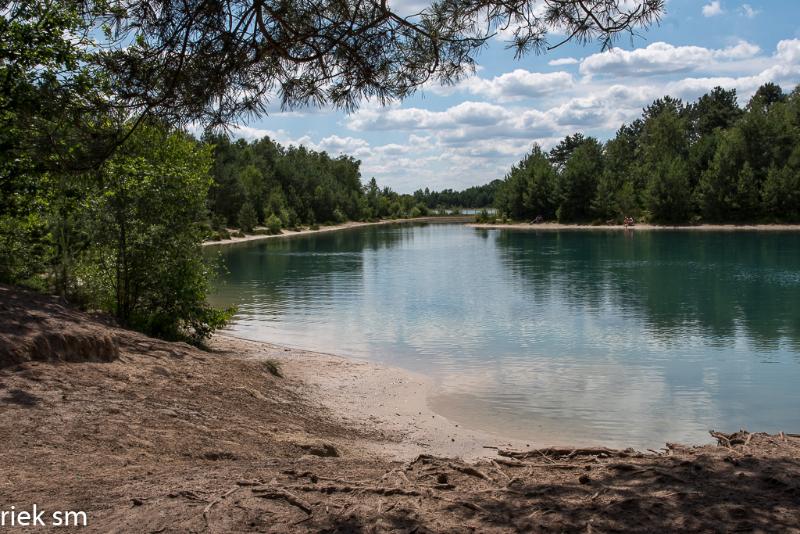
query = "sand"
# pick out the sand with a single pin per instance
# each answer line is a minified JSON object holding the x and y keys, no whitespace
{"x":338,"y":227}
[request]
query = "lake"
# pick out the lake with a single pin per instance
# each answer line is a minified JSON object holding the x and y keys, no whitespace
{"x":619,"y":338}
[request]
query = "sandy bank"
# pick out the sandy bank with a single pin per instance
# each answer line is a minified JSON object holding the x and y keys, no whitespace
{"x":369,"y":397}
{"x":344,"y":226}
{"x":644,"y":227}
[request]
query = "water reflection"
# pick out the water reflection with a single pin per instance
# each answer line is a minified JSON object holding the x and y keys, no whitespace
{"x":680,"y":283}
{"x":552,"y":336}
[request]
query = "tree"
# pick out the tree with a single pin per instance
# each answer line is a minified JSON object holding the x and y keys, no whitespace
{"x":529,"y":188}
{"x":247,"y":217}
{"x":563,"y":150}
{"x":144,"y":224}
{"x":782,"y":190}
{"x":717,"y":109}
{"x":728,"y":190}
{"x":668,"y":195}
{"x":664,"y":153}
{"x":577,"y":183}
{"x":616,"y":188}
{"x":210,"y":62}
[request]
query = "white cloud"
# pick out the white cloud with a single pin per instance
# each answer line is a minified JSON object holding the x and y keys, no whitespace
{"x":519,"y":83}
{"x":514,"y":85}
{"x":563,"y":61}
{"x":748,"y":11}
{"x":474,"y":141}
{"x":662,"y":58}
{"x":712,"y":9}
{"x":788,"y":51}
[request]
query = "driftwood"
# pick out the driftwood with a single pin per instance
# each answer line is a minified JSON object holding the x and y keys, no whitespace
{"x":378,"y":490}
{"x":227,"y":494}
{"x":467,"y":470}
{"x":564,"y":452}
{"x":277,"y":493}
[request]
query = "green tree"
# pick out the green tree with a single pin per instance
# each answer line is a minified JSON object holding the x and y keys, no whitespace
{"x":577,"y":182}
{"x":247,"y":217}
{"x":616,"y":189}
{"x":145,"y":215}
{"x":663,"y":161}
{"x":668,"y":195}
{"x":728,"y":190}
{"x":782,"y":190}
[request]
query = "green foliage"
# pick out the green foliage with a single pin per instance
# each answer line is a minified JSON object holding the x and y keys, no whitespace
{"x":577,"y":183}
{"x":484,"y":217}
{"x":247,"y":217}
{"x":145,"y":262}
{"x":668,"y":196}
{"x":273,"y":224}
{"x":782,"y":190}
{"x":707,"y":161}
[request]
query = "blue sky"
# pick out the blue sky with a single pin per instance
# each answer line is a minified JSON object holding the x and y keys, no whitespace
{"x":472,"y":133}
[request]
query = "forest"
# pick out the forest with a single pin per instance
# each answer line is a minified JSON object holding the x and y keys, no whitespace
{"x":707,"y":161}
{"x":261,"y":183}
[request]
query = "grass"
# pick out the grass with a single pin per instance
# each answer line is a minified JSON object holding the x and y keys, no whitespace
{"x":273,"y":367}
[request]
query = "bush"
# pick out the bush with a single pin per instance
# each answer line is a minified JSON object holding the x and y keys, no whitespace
{"x":273,"y":224}
{"x":485,"y":217}
{"x":339,"y":216}
{"x":142,"y":219}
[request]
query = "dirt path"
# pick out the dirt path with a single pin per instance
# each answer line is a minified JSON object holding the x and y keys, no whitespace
{"x":167,"y":438}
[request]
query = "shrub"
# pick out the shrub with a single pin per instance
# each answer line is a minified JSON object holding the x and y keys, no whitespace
{"x":273,"y":224}
{"x":339,"y":216}
{"x":143,"y":220}
{"x":485,"y":217}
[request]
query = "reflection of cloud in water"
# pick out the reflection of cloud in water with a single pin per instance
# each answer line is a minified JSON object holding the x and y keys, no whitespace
{"x":600,"y":336}
{"x":570,"y":401}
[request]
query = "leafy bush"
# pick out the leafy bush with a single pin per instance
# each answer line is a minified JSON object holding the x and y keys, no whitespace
{"x":143,"y":221}
{"x":273,"y":224}
{"x":339,"y":216}
{"x":485,"y":218}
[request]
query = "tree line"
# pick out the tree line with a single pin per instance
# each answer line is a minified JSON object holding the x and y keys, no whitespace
{"x":261,"y":183}
{"x":706,"y":161}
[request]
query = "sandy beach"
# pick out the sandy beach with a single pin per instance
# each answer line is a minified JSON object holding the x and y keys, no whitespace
{"x":151,"y":436}
{"x":338,"y":227}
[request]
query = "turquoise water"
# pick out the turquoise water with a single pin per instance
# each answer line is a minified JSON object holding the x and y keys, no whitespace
{"x":622,"y":338}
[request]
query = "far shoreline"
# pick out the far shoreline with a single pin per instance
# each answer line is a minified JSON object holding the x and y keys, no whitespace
{"x":443,"y":219}
{"x":467,"y":220}
{"x":550,"y":226}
